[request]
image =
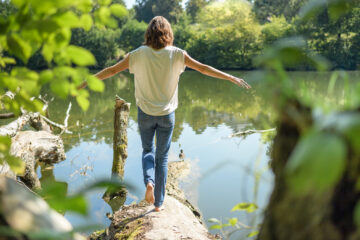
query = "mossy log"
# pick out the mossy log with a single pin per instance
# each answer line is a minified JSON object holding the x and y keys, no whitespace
{"x":326,"y":216}
{"x":179,"y":220}
{"x":121,"y":119}
{"x":32,"y":146}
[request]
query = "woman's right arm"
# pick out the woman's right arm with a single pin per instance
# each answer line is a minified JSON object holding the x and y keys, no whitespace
{"x":111,"y":71}
{"x":213,"y":72}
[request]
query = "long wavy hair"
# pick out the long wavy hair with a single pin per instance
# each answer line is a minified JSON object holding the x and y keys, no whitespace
{"x":159,"y":33}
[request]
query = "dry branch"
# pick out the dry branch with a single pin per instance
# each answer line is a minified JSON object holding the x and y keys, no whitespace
{"x":251,"y":131}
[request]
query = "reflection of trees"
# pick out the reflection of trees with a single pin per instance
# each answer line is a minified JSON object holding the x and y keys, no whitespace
{"x":203,"y":102}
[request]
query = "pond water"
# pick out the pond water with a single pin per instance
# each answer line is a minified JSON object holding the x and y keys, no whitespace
{"x":224,"y":170}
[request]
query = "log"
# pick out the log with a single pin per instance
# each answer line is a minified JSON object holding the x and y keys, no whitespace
{"x":7,"y":115}
{"x":32,"y":147}
{"x":23,"y":211}
{"x":251,"y":131}
{"x":176,"y":221}
{"x":121,"y":118}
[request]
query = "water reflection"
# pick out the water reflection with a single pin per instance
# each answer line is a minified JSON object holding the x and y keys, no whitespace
{"x":226,"y":170}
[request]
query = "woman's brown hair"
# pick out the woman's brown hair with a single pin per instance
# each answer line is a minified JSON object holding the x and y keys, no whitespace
{"x":159,"y":33}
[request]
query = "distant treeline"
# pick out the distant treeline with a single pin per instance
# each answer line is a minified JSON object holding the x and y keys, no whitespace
{"x":226,"y":34}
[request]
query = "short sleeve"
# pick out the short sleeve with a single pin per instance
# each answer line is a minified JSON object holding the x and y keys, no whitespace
{"x":181,"y":60}
{"x":132,"y":61}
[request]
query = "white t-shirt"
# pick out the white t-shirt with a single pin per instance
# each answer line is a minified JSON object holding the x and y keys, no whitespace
{"x":156,"y":78}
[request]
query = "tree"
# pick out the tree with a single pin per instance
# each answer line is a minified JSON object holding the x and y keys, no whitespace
{"x":147,"y":9}
{"x":267,"y":8}
{"x":194,"y":6}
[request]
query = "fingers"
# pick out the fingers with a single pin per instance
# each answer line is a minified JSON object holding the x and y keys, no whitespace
{"x":243,"y":84}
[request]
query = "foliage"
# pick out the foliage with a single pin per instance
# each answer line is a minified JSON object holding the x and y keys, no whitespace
{"x":193,"y":7}
{"x":147,"y":9}
{"x":234,"y":223}
{"x":274,"y":30}
{"x":132,"y":35}
{"x":100,"y":42}
{"x":36,"y":27}
{"x":226,"y":35}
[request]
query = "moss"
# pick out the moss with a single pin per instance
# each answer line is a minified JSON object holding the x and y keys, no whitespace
{"x":130,"y":229}
{"x":96,"y":234}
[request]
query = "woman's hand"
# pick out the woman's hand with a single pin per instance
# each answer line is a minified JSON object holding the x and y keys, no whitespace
{"x":240,"y":82}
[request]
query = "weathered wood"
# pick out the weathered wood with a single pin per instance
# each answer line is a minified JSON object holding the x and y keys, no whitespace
{"x":32,"y":147}
{"x":121,"y":119}
{"x":33,"y":119}
{"x":251,"y":131}
{"x":179,"y":220}
{"x":7,"y":115}
{"x":12,"y":128}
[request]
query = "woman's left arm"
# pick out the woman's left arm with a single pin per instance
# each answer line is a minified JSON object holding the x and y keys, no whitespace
{"x":111,"y":71}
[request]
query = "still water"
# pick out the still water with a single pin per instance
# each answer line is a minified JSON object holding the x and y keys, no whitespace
{"x":224,"y":170}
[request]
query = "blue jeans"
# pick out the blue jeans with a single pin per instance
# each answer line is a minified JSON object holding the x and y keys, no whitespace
{"x":154,"y":162}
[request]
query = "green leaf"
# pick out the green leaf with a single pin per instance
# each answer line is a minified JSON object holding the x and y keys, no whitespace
{"x":55,"y":194}
{"x":213,"y":220}
{"x":48,"y":26}
{"x":15,"y":164}
{"x":80,"y":56}
{"x":46,"y":76}
{"x":67,"y":19}
{"x":95,"y":84}
{"x":83,"y":102}
{"x":118,"y":10}
{"x":216,"y":226}
{"x":248,"y":207}
{"x":86,"y":21}
{"x":18,"y":3}
{"x":6,"y":60}
{"x":233,"y":221}
{"x":316,"y":163}
{"x":112,"y":185}
{"x":60,"y":87}
{"x":104,"y":2}
{"x":84,"y":5}
{"x":252,"y":234}
{"x":347,"y":124}
{"x":48,"y":52}
{"x":104,"y":14}
{"x":19,"y":47}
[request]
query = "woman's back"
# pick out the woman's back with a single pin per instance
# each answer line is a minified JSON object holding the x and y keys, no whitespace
{"x":156,"y":78}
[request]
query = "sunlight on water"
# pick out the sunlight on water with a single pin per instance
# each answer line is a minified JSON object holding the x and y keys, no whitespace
{"x":225,"y":170}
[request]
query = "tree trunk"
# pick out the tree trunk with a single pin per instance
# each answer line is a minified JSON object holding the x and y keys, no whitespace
{"x":327,"y":216}
{"x":121,"y":118}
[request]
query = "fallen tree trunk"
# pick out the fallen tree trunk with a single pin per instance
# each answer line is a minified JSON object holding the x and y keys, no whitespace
{"x":179,"y":220}
{"x":32,"y":147}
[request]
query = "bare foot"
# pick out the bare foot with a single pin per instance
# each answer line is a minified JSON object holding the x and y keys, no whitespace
{"x":158,"y":209}
{"x":149,"y":195}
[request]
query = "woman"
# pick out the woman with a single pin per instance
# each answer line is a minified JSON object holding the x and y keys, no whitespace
{"x":157,"y":66}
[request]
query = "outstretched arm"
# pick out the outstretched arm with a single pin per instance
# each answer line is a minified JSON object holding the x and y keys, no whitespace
{"x":213,"y":72}
{"x":111,"y":71}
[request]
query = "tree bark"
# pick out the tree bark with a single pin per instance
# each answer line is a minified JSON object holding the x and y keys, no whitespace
{"x":327,"y":216}
{"x":121,"y":118}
